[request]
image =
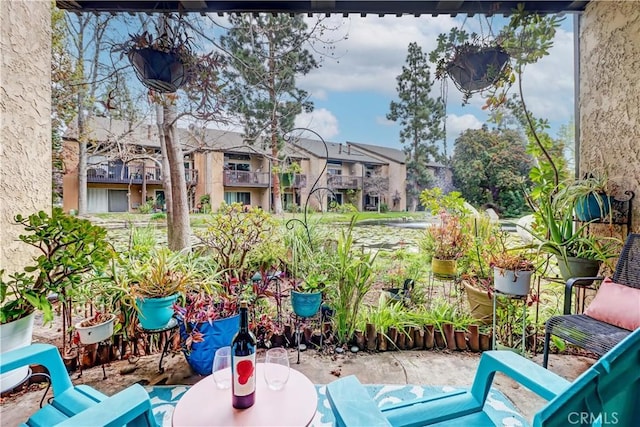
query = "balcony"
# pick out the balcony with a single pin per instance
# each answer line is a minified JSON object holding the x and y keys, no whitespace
{"x":246,"y":179}
{"x":293,"y":180}
{"x":376,"y":184}
{"x":344,"y":182}
{"x":133,"y":175}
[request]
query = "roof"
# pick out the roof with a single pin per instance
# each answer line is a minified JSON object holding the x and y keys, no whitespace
{"x":392,"y":154}
{"x":336,"y":151}
{"x":345,"y":7}
{"x":146,"y":135}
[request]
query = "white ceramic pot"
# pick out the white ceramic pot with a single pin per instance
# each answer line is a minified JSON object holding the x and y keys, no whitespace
{"x":14,"y":335}
{"x":512,"y":283}
{"x":95,"y":333}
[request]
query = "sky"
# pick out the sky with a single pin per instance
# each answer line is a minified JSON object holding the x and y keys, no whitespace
{"x":352,"y":94}
{"x":353,"y":88}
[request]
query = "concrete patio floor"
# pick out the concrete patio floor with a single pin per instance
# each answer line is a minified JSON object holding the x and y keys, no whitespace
{"x":397,"y":367}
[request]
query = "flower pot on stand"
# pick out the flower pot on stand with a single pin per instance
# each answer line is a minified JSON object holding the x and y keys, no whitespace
{"x":155,"y":313}
{"x":217,"y":334}
{"x":592,"y":207}
{"x":577,"y":267}
{"x":305,"y":304}
{"x":93,"y":334}
{"x":480,"y":303}
{"x":14,"y":335}
{"x":512,"y":282}
{"x":443,"y":267}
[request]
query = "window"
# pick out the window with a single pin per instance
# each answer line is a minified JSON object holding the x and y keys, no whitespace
{"x":237,"y":197}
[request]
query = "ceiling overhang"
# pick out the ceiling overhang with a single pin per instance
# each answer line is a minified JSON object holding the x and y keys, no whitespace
{"x":346,"y":7}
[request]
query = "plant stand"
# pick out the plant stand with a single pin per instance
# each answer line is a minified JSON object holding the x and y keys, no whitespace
{"x":298,"y":321}
{"x":522,"y":298}
{"x":169,"y":330}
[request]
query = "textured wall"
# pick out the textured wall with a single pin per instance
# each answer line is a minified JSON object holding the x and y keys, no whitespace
{"x":610,"y":92}
{"x":25,"y":114}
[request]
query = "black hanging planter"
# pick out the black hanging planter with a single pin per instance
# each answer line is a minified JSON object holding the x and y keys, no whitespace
{"x":161,"y":71}
{"x":475,"y":71}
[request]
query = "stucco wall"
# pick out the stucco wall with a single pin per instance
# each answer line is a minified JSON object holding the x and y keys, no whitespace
{"x":25,"y":115}
{"x":610,"y":92}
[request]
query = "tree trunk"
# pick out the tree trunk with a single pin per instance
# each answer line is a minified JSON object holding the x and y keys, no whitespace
{"x":166,"y":175}
{"x":179,"y":201}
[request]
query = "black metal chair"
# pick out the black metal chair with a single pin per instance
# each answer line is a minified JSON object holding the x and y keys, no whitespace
{"x":587,"y":332}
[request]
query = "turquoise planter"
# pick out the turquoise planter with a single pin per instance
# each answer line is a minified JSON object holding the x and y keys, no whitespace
{"x":588,"y":209}
{"x":155,"y":313}
{"x":306,"y":304}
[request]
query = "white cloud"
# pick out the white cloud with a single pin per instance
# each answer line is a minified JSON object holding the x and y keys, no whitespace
{"x":374,"y":52}
{"x":457,"y":124}
{"x":319,"y":120}
{"x":381,"y":120}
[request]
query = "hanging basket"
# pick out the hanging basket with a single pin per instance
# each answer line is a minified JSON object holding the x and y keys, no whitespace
{"x":161,"y":71}
{"x":475,"y":71}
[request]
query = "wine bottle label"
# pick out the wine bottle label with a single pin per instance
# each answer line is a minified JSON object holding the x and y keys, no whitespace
{"x":244,"y":375}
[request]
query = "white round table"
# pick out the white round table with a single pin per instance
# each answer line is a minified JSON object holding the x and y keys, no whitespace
{"x":204,"y":404}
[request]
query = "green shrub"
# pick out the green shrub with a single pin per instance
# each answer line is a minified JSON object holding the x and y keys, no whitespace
{"x":158,"y":216}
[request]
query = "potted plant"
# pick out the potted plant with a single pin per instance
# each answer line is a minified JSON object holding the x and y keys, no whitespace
{"x":512,"y":273}
{"x":473,"y":63}
{"x":306,"y":295}
{"x":168,"y":61}
{"x":577,"y":253}
{"x":207,"y":322}
{"x":96,"y":328}
{"x":67,"y":248}
{"x":589,"y":197}
{"x":156,"y":283}
{"x":444,"y":243}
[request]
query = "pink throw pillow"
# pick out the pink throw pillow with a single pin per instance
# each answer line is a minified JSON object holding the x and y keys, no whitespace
{"x":616,"y":304}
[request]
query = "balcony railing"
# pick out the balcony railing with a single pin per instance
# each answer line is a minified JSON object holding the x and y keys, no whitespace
{"x":376,"y":184}
{"x":246,"y":179}
{"x":133,"y":175}
{"x":344,"y":182}
{"x":293,"y":180}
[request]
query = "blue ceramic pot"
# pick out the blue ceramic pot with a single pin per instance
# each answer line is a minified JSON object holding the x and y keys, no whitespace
{"x":215,"y":335}
{"x":588,"y":209}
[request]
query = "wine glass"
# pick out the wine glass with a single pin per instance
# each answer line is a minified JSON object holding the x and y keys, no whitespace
{"x":222,"y":368}
{"x":276,"y":368}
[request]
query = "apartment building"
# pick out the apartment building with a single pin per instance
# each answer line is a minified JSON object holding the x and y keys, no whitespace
{"x":124,"y":169}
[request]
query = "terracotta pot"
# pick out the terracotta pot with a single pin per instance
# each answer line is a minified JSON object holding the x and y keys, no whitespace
{"x":480,"y":303}
{"x":449,"y":336}
{"x":401,"y":341}
{"x":382,"y":342}
{"x":409,"y":343}
{"x":392,"y":338}
{"x":461,"y":340}
{"x":360,"y":340}
{"x":474,"y":338}
{"x":371,"y":337}
{"x":485,"y":342}
{"x":429,"y":336}
{"x":418,"y":339}
{"x":439,"y":339}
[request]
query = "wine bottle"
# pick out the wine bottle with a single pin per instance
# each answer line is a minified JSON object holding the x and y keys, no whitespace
{"x":243,"y":363}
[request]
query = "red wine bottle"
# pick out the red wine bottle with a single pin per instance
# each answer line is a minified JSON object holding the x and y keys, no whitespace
{"x":243,"y":363}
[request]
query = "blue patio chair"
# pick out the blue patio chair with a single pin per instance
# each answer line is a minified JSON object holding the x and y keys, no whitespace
{"x":608,"y":393}
{"x":79,"y":405}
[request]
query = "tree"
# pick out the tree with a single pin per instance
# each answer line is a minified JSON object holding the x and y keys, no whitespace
{"x":267,"y":53}
{"x":491,"y":166}
{"x":421,"y":118}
